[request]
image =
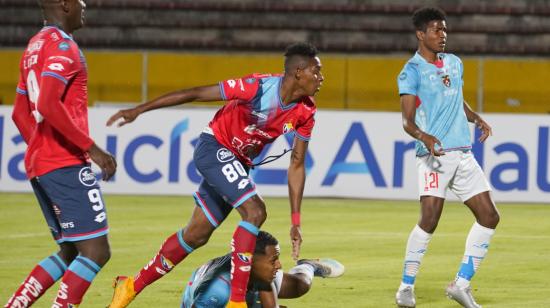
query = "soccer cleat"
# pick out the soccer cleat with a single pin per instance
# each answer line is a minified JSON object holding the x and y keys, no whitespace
{"x":326,"y":268}
{"x":462,"y":296}
{"x":405,"y":298}
{"x":124,"y":292}
{"x":232,"y":304}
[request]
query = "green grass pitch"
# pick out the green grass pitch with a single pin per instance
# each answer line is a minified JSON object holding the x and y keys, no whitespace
{"x":367,"y":236}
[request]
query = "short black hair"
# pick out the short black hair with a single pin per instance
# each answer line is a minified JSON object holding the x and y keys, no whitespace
{"x":423,"y":16}
{"x":301,"y":49}
{"x":263,"y":240}
{"x":298,"y":53}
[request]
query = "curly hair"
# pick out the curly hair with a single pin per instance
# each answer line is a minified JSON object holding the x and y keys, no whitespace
{"x":423,"y":16}
{"x":263,"y":240}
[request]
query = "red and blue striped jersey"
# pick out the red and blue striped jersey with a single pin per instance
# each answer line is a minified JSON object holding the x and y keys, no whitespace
{"x":255,"y":115}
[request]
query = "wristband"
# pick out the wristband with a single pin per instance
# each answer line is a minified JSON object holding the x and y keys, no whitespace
{"x":295,"y":218}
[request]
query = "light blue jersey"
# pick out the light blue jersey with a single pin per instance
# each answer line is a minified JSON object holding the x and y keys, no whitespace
{"x":440,"y":103}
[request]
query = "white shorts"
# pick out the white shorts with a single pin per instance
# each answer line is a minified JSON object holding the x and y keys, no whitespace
{"x":456,"y":170}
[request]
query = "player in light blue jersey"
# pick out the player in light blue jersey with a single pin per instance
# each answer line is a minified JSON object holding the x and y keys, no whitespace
{"x":435,"y":114}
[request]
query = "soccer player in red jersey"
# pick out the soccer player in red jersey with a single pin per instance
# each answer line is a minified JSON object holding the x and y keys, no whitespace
{"x":51,"y":114}
{"x":259,"y":109}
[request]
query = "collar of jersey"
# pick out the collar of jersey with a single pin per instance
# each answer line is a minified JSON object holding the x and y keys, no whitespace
{"x":63,"y":34}
{"x":421,"y":59}
{"x":283,"y":107}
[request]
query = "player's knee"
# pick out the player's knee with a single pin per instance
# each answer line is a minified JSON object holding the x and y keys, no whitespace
{"x":256,"y":216}
{"x":196,"y":238}
{"x":428,"y":224}
{"x":100,"y":255}
{"x":67,"y":253}
{"x":491,"y":220}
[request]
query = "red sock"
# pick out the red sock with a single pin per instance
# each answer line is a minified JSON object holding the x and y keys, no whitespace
{"x":75,"y":282}
{"x":43,"y":276}
{"x":242,"y":249}
{"x":172,"y":252}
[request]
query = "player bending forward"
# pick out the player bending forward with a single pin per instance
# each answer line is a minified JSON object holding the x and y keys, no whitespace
{"x":260,"y":108}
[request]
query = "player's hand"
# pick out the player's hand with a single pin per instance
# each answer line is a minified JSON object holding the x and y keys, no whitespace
{"x":296,"y":241}
{"x":486,"y":130}
{"x":127,"y":116}
{"x":431,"y":142}
{"x":104,"y":160}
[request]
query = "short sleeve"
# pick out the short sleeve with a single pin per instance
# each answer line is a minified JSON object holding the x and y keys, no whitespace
{"x":242,"y":89}
{"x":62,"y":60}
{"x":304,"y":130}
{"x":407,"y":81}
{"x":21,"y":85}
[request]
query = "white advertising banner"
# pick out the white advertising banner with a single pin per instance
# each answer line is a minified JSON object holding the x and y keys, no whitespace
{"x":351,"y":155}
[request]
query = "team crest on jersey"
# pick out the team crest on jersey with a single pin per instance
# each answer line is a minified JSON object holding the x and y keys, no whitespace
{"x":288,"y":127}
{"x":224,"y":155}
{"x":63,"y":46}
{"x":87,"y":177}
{"x":446,"y":81}
{"x":250,"y":80}
{"x":246,"y":257}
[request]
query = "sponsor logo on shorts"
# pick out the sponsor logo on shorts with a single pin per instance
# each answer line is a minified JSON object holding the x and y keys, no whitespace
{"x":246,"y":257}
{"x":224,"y":155}
{"x":67,"y":225}
{"x":87,"y":177}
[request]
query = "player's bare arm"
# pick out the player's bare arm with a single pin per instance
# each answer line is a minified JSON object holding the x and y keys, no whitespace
{"x":268,"y":298}
{"x":408,"y":112}
{"x":209,"y":93}
{"x":296,"y":182}
{"x":475,"y":118}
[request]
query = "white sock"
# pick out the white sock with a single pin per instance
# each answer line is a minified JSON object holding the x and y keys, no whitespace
{"x":477,"y":244}
{"x":305,"y":269}
{"x":416,"y":248}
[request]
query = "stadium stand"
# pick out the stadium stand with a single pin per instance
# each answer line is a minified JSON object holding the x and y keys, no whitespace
{"x":180,"y":43}
{"x":478,"y":27}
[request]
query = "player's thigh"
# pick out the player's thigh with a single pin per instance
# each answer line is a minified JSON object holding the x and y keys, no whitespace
{"x":223,"y":172}
{"x":77,"y":202}
{"x":212,"y":205}
{"x":435,"y":174}
{"x":469,"y":179}
{"x":48,"y":210}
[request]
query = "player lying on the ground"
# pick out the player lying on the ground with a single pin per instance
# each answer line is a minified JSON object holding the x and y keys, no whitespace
{"x":209,"y":284}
